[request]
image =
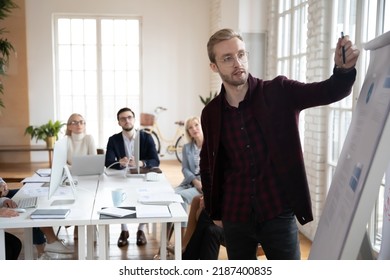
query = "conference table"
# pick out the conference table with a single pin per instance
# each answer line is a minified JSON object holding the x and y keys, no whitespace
{"x":135,"y":186}
{"x":92,"y":194}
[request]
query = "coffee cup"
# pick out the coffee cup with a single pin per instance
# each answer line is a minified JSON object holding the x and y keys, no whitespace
{"x":118,"y":196}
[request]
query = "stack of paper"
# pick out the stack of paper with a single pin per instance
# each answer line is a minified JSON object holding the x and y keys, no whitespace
{"x":36,"y":179}
{"x":160,"y":198}
{"x":152,"y":211}
{"x":116,"y":212}
{"x":44,"y":172}
{"x":50,"y":213}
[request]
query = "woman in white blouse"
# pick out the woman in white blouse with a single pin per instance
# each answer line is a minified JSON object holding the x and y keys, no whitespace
{"x":80,"y":143}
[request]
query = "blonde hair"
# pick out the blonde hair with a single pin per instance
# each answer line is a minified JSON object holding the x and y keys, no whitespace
{"x":219,"y":36}
{"x":68,"y":131}
{"x":187,"y":124}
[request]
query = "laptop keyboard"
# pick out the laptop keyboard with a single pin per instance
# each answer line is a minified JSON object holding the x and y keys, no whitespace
{"x":28,"y":202}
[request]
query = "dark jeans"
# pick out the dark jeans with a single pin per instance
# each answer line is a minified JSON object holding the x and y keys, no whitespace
{"x":12,"y":246}
{"x":38,"y":236}
{"x":278,"y":237}
{"x":205,"y":241}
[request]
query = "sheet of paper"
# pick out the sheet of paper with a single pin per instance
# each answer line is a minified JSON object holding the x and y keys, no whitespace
{"x":116,"y":212}
{"x":35,"y":189}
{"x":149,"y":191}
{"x":44,"y":172}
{"x":36,"y":179}
{"x":160,"y":198}
{"x":152,"y":211}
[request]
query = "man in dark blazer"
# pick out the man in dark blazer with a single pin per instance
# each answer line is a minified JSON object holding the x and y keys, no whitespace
{"x":252,"y":168}
{"x":120,"y":154}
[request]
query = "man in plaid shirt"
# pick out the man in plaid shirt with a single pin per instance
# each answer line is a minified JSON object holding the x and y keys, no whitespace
{"x":252,"y":168}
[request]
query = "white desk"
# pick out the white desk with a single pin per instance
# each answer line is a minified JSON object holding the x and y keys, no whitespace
{"x":134,"y":186}
{"x":80,"y":215}
{"x":94,"y":193}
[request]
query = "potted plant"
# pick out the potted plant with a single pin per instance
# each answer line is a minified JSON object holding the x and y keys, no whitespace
{"x":47,"y":132}
{"x":206,"y":100}
{"x":6,"y":48}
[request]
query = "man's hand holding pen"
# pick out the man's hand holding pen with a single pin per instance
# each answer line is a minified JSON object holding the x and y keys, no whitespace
{"x":345,"y":50}
{"x":125,"y":161}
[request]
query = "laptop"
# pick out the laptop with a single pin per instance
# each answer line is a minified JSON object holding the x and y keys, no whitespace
{"x":88,"y":165}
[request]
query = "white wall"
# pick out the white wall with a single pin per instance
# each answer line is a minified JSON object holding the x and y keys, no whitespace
{"x":175,"y":64}
{"x":253,"y":16}
{"x":174,"y":37}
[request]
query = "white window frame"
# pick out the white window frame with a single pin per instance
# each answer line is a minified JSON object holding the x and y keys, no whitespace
{"x":101,"y":114}
{"x":292,"y":51}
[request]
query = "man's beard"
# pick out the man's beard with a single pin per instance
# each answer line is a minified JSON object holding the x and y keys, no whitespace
{"x":227,"y":79}
{"x":128,"y":129}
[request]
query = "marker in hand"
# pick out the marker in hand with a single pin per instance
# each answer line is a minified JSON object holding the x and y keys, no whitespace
{"x":343,"y":48}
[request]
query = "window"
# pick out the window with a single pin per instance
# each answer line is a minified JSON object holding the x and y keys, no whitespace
{"x":97,"y":70}
{"x":293,"y":34}
{"x":340,"y":113}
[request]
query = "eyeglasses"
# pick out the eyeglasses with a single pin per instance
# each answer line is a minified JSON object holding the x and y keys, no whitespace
{"x":77,"y":123}
{"x":229,"y":60}
{"x":123,"y":119}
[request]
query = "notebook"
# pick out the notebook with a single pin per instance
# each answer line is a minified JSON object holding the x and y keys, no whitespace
{"x":116,"y":212}
{"x":50,"y":213}
{"x":88,"y":165}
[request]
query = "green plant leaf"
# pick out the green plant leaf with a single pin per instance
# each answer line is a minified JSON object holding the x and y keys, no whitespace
{"x":206,"y":100}
{"x":6,"y":47}
{"x":6,"y":7}
{"x":46,"y":130}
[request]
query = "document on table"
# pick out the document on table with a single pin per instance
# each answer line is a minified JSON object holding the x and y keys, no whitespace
{"x":35,"y":189}
{"x":50,"y":213}
{"x":160,"y":198}
{"x":36,"y":179}
{"x":44,"y":172}
{"x":152,"y":211}
{"x":116,"y":212}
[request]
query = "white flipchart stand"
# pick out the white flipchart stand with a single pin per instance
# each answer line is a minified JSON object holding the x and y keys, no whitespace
{"x":361,"y":166}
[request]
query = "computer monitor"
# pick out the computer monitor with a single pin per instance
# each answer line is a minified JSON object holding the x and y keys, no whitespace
{"x":59,"y":174}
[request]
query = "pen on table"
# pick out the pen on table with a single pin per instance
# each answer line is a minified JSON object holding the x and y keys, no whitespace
{"x":342,"y":48}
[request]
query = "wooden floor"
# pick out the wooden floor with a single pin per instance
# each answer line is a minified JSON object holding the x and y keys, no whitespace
{"x":171,"y":168}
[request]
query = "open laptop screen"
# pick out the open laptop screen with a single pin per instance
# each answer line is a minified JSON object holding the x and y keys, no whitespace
{"x":87,"y":165}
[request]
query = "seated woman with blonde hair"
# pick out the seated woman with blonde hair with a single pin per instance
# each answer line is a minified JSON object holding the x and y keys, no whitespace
{"x":80,"y":143}
{"x":191,"y":185}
